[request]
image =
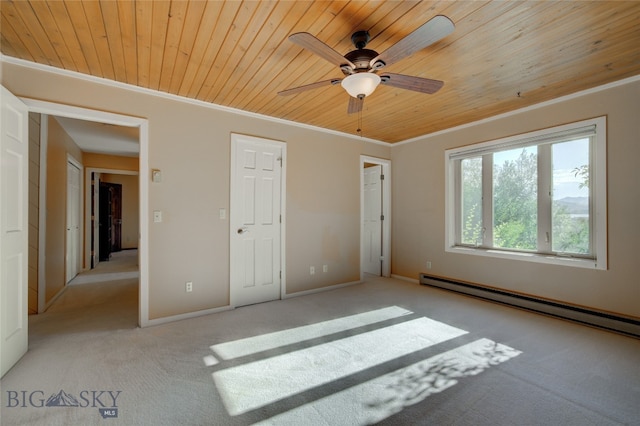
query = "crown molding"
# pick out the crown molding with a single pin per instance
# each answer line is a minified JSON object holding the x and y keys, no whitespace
{"x":126,"y":86}
{"x":184,"y":99}
{"x":523,"y":110}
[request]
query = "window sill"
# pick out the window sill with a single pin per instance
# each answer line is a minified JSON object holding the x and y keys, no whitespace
{"x":530,"y":257}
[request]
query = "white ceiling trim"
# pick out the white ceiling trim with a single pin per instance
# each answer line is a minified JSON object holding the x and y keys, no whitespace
{"x":523,"y":110}
{"x":126,"y":86}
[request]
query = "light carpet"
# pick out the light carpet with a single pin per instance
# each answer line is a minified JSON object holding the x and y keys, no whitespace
{"x":382,"y":352}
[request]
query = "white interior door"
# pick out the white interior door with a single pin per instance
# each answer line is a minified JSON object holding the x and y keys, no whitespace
{"x":14,"y":185}
{"x":372,"y":227}
{"x":73,"y":221}
{"x":255,"y":219}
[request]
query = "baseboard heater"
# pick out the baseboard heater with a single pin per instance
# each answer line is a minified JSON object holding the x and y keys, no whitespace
{"x":619,"y":324}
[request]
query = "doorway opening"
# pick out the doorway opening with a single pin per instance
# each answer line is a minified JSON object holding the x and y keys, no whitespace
{"x":110,"y":219}
{"x":113,"y":225}
{"x":375,"y":217}
{"x":109,"y":119}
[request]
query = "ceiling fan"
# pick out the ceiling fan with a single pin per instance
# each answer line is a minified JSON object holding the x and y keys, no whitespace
{"x":361,"y":66}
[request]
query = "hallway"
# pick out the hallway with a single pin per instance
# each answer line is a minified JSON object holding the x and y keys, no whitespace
{"x":123,"y":265}
{"x":104,"y":298}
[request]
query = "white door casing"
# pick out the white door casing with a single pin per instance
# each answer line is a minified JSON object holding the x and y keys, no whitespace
{"x":14,"y":186}
{"x":49,"y":108}
{"x":74,"y":214}
{"x":256,"y":243}
{"x":92,"y":223}
{"x":372,"y":227}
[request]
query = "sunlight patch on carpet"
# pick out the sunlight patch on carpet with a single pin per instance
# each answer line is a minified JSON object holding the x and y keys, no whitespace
{"x":379,"y":398}
{"x":210,"y":360}
{"x":252,"y":345}
{"x":256,"y":384}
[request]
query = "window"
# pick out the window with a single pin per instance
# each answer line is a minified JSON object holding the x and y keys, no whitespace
{"x":539,"y":196}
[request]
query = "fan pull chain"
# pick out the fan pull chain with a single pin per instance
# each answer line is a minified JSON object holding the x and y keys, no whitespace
{"x":359,"y":129}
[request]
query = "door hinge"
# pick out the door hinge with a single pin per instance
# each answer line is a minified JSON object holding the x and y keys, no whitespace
{"x":280,"y":219}
{"x":381,"y":217}
{"x":381,"y":177}
{"x":280,"y":274}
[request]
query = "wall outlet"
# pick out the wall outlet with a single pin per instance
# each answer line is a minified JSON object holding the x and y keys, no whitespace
{"x":325,"y":268}
{"x":188,"y":286}
{"x":312,"y":270}
{"x":428,"y":264}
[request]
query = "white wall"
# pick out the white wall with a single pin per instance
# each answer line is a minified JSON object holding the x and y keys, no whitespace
{"x":419,"y":221}
{"x":59,"y":146}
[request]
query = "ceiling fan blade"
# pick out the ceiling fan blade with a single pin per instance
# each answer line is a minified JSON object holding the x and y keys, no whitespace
{"x":408,"y":82}
{"x":430,"y":32}
{"x":299,"y":89}
{"x":355,"y":105}
{"x":327,"y":53}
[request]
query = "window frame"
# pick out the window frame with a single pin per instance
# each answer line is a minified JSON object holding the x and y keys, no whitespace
{"x":544,"y":137}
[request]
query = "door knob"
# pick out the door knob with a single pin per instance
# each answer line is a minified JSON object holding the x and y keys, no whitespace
{"x":243,"y":230}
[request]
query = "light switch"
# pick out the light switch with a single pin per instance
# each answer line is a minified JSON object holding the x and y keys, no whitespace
{"x":156,"y":175}
{"x":157,"y":216}
{"x":222,"y":213}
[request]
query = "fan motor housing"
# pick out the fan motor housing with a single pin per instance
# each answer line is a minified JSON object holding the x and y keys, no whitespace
{"x":361,"y":58}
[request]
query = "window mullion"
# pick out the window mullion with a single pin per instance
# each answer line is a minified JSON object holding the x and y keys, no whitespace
{"x":457,"y":177}
{"x":487,"y":200}
{"x":593,"y":193}
{"x":545,"y":198}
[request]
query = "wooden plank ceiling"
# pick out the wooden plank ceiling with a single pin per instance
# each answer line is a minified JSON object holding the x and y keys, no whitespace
{"x":502,"y":55}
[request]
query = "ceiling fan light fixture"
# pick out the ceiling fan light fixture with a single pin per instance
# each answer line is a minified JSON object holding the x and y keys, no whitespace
{"x":361,"y":84}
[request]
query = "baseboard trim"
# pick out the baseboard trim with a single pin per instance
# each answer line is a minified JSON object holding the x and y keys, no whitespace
{"x":599,"y":319}
{"x":55,"y":297}
{"x":403,"y":278}
{"x":188,"y":315}
{"x":321,"y":289}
